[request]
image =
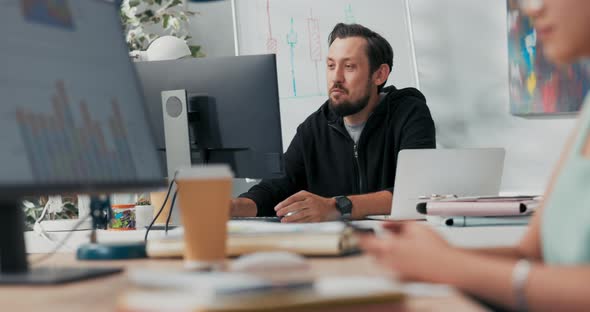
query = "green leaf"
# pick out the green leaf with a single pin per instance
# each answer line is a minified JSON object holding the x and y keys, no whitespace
{"x":134,"y":3}
{"x":159,"y":2}
{"x":196,"y":51}
{"x":166,"y":18}
{"x":174,"y":3}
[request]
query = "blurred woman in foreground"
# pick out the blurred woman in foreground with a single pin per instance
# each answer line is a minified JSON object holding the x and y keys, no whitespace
{"x":550,"y":268}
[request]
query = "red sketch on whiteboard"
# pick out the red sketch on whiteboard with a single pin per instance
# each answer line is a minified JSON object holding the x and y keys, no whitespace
{"x":271,"y":42}
{"x":315,"y":45}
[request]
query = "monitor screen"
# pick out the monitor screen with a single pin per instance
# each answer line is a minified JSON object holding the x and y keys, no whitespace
{"x":233,"y":110}
{"x":72,"y":112}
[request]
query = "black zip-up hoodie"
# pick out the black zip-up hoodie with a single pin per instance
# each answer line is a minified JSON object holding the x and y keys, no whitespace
{"x":324,"y":160}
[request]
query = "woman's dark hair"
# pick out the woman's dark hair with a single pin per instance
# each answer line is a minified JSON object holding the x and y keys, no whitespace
{"x":379,"y":51}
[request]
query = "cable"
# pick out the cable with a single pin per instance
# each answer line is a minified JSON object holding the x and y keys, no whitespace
{"x":147,"y":232}
{"x":159,"y":211}
{"x":37,"y":228}
{"x":61,"y":243}
{"x":170,"y":212}
{"x":171,"y":205}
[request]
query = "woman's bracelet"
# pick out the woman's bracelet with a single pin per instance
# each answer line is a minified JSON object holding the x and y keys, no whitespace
{"x":520,"y":274}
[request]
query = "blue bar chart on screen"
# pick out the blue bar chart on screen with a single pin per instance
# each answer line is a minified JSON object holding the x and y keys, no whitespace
{"x":58,"y":148}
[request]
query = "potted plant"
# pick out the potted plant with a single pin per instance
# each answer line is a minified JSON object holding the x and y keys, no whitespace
{"x":144,"y":211}
{"x":33,"y":210}
{"x":147,"y":20}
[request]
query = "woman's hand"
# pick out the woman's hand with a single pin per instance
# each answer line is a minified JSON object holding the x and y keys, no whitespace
{"x":413,"y":251}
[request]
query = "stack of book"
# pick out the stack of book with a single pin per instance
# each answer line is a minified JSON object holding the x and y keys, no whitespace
{"x":314,"y":239}
{"x":481,"y":211}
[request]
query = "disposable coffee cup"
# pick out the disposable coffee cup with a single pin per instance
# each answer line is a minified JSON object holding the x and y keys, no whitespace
{"x":205,"y":198}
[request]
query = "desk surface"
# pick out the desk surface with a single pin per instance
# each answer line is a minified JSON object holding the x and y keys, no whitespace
{"x":102,"y":294}
{"x":480,"y":236}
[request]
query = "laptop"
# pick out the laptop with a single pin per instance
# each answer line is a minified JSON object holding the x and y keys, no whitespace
{"x":428,"y":172}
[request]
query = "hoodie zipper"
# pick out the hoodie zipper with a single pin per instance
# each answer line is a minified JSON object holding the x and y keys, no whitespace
{"x":356,"y":159}
{"x":358,"y":167}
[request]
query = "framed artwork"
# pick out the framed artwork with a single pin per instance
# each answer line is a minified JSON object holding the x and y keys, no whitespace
{"x":537,"y":87}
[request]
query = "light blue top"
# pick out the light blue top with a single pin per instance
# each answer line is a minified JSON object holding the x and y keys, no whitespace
{"x":565,"y":227}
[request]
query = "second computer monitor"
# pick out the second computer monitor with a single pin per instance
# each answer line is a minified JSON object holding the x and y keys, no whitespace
{"x":233,"y":107}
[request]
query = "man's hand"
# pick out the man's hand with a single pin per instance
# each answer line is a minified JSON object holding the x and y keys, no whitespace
{"x":243,"y":207}
{"x":307,"y":207}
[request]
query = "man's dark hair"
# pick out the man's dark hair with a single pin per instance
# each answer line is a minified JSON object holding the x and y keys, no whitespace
{"x":379,"y":51}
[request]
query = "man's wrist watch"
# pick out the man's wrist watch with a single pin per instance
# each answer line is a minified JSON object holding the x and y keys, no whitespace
{"x":344,"y":205}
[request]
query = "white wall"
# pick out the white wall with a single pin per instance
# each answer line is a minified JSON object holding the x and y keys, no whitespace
{"x":461,"y":49}
{"x":212,"y":27}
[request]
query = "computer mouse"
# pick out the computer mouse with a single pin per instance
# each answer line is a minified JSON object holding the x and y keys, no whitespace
{"x":290,"y":213}
{"x":269,"y":261}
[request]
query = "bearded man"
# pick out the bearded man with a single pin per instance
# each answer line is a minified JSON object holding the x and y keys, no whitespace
{"x":342,"y":161}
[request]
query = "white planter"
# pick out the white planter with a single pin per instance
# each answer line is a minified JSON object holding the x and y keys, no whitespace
{"x":143,"y":216}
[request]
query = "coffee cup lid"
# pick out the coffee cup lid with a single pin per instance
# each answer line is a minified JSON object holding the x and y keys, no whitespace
{"x":204,"y":172}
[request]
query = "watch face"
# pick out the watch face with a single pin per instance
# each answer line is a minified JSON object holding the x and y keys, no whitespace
{"x":344,"y":204}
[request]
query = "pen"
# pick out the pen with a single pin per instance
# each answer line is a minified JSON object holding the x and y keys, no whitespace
{"x":486,"y":221}
{"x":356,"y":228}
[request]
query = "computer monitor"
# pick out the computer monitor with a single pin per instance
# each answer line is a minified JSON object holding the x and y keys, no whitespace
{"x":73,"y":118}
{"x":233,"y":110}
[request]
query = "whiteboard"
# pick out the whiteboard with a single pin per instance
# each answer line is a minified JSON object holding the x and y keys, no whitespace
{"x":297,"y":32}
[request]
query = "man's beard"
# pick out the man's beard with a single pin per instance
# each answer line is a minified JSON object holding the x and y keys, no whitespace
{"x":347,"y":108}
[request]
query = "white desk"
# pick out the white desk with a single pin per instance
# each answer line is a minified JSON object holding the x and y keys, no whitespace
{"x":486,"y":236}
{"x":103,"y":294}
{"x":99,"y":295}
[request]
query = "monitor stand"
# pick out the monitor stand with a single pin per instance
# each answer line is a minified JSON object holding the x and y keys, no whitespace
{"x":176,"y":133}
{"x":14,"y":268}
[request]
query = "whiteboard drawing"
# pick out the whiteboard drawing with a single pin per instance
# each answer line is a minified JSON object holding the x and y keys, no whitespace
{"x":349,"y":15}
{"x":292,"y":42}
{"x":271,"y":42}
{"x":315,"y":46}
